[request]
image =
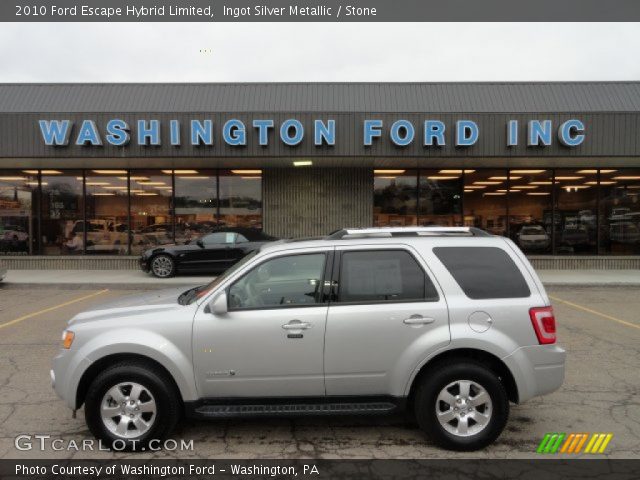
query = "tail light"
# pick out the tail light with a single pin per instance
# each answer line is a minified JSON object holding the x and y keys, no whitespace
{"x":544,"y":324}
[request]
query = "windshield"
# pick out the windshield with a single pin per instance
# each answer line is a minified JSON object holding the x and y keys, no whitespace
{"x":191,"y":295}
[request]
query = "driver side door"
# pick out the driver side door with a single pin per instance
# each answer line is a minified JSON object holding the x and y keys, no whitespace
{"x":270,"y":342}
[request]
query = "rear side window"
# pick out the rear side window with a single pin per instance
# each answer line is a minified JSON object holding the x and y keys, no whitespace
{"x":383,"y":275}
{"x":484,"y":272}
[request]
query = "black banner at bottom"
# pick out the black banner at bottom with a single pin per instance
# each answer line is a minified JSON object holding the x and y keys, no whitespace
{"x":547,"y":469}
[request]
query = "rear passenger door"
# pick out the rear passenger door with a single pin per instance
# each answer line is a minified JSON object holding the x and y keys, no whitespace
{"x":386,"y":313}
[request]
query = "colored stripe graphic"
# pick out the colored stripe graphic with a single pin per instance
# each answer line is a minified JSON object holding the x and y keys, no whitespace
{"x":573,"y":443}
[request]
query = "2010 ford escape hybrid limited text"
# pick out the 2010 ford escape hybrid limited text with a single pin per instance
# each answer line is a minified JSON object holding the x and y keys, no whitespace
{"x":449,"y":324}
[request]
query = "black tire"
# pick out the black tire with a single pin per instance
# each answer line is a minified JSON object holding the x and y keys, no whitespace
{"x":444,"y":374}
{"x":165,"y":259}
{"x":161,"y":388}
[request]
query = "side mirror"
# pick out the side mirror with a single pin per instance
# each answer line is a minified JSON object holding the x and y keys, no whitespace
{"x":200,"y":243}
{"x":218,"y":305}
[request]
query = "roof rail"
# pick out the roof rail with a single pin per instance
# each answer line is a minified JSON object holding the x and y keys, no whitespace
{"x":383,"y":232}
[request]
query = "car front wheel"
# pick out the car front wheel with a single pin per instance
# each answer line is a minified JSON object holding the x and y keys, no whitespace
{"x":462,"y":406}
{"x":163,"y":266}
{"x":128,"y":405}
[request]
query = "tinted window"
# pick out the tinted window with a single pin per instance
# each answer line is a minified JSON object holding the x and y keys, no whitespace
{"x":391,"y":275}
{"x":219,"y":237}
{"x":483,"y":272}
{"x":293,"y":280}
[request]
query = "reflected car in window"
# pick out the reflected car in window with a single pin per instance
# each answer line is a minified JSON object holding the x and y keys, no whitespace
{"x":533,"y":237}
{"x":211,"y":253}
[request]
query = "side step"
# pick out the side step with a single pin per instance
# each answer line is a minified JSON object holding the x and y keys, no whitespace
{"x":227,"y":411}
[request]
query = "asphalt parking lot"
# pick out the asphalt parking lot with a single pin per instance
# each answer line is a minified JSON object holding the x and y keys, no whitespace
{"x":600,"y":328}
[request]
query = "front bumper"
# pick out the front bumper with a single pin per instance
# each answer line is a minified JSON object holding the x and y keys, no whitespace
{"x":144,"y":264}
{"x":537,"y":369}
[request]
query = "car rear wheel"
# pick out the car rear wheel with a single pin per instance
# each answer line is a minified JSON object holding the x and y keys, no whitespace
{"x":129,"y":404}
{"x":462,"y":406}
{"x":163,"y":266}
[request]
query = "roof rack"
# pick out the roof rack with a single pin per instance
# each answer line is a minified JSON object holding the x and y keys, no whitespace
{"x":385,"y":232}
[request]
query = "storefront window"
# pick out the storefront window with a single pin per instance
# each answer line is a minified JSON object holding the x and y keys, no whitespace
{"x":530,"y":209}
{"x":106,"y":214}
{"x":241,"y":198}
{"x":18,"y":214}
{"x":576,"y":196}
{"x":440,"y":197}
{"x":395,"y":198}
{"x":151,"y":204}
{"x":485,"y":200}
{"x":619,"y":212}
{"x":196,"y":203}
{"x":62,"y":212}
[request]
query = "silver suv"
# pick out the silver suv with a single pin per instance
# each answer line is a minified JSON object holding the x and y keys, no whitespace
{"x":447,"y":324}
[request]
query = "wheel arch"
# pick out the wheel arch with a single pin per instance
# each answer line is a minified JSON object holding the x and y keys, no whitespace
{"x":480,"y":356}
{"x":104,"y":362}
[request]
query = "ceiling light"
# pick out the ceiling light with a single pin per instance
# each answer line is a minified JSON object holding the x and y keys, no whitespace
{"x":568,"y":188}
{"x":456,"y":171}
{"x":251,"y":178}
{"x":247,"y":172}
{"x":163,"y":188}
{"x":389,"y":172}
{"x":12,"y":178}
{"x":97,"y":184}
{"x":35,"y":184}
{"x":607,"y":182}
{"x":538,"y":194}
{"x":136,"y":191}
{"x":541,"y":182}
{"x":44,"y":172}
{"x":111,"y":172}
{"x":146,"y":194}
{"x":388,"y":177}
{"x":302,"y":163}
{"x":494,"y":193}
{"x":113,"y":187}
{"x":103,"y":194}
{"x":134,"y":178}
{"x":570,"y":178}
{"x":179,"y":172}
{"x":466,"y":190}
{"x":504,"y":178}
{"x":474,"y":187}
{"x":526,"y":187}
{"x":596,"y":171}
{"x":527,"y":171}
{"x":152,"y":183}
{"x":195,"y":178}
{"x":627,"y":177}
{"x":441,"y":177}
{"x":487,"y":183}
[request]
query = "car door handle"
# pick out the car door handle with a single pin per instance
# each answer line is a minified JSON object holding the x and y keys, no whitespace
{"x":418,"y":320}
{"x":296,"y":325}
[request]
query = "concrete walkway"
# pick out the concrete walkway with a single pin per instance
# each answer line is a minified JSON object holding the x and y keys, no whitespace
{"x":138,"y":279}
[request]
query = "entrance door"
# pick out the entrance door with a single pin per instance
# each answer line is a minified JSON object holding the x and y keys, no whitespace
{"x":270,"y":342}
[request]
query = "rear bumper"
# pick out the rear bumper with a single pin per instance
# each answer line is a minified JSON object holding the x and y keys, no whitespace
{"x":537,"y":369}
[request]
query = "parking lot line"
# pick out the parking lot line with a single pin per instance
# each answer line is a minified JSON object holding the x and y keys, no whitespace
{"x":55,"y":307}
{"x":595,"y":312}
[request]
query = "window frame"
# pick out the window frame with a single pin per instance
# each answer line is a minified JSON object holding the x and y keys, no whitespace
{"x":323,"y":292}
{"x":337,"y":271}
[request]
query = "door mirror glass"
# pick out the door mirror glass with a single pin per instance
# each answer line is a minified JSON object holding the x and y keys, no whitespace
{"x":219,"y":305}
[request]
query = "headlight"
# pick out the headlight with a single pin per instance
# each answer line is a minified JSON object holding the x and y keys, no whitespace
{"x":67,"y":339}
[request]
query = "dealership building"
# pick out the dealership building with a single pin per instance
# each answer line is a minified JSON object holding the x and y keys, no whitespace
{"x":95,"y":173}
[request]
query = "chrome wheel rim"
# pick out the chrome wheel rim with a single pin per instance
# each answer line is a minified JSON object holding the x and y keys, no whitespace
{"x":162,"y":266}
{"x":128,"y":410}
{"x":464,"y":408}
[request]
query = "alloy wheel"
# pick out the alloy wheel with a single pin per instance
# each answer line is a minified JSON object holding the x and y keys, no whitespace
{"x":464,"y":408}
{"x":162,"y":266}
{"x":128,"y":410}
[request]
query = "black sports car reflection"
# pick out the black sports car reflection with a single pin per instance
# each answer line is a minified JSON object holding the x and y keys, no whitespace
{"x":211,"y":253}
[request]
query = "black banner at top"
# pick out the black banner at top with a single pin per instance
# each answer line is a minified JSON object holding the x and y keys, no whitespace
{"x":319,"y":11}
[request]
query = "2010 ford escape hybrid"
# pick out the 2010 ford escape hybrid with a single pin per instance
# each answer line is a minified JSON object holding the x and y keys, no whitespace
{"x":450,"y":324}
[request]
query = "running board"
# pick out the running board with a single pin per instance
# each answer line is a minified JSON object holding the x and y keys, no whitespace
{"x":229,"y":411}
